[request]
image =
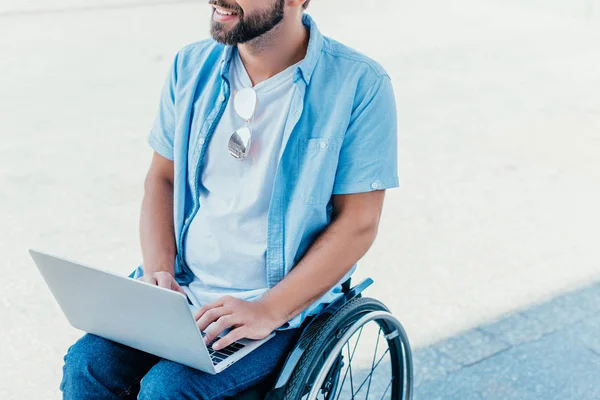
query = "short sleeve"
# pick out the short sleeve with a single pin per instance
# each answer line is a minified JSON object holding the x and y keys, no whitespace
{"x":162,"y":134}
{"x":369,"y":155}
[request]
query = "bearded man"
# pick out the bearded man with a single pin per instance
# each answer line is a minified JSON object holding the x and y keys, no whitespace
{"x":273,"y":147}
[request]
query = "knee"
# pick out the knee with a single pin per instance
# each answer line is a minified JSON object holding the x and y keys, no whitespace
{"x":81,"y":364}
{"x":156,"y":387}
{"x":77,"y":360}
{"x":168,"y":380}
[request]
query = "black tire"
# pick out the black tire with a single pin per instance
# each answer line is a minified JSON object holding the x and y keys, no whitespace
{"x":328,"y":335}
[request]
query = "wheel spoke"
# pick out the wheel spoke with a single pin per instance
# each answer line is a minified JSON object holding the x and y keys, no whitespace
{"x":343,"y":380}
{"x":369,"y":377}
{"x":356,"y":343}
{"x":381,"y":358}
{"x":350,"y":369}
{"x":371,"y":373}
{"x":349,"y":362}
{"x":388,"y":386}
{"x":373,"y":362}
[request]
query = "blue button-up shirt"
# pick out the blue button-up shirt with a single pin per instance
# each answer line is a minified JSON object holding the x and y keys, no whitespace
{"x":340,"y":137}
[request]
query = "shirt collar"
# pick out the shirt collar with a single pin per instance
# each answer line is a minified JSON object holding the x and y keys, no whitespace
{"x":226,"y":60}
{"x":315,"y":44}
{"x":306,"y":66}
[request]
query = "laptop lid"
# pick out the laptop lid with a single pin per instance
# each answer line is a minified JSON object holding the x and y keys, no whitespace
{"x":143,"y":316}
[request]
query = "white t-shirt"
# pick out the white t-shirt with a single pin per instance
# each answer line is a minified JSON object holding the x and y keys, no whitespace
{"x":226,"y":242}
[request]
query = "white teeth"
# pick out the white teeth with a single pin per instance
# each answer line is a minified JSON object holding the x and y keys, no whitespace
{"x":223,"y":12}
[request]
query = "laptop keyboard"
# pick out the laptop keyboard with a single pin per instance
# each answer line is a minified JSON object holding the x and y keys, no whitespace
{"x":219,"y":355}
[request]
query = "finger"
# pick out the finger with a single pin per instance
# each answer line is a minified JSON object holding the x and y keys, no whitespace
{"x":226,"y":321}
{"x":233,"y":336}
{"x":220,"y":302}
{"x":148,"y":279}
{"x":175,"y":286}
{"x":201,"y":311}
{"x":209,"y":317}
{"x":164,"y":280}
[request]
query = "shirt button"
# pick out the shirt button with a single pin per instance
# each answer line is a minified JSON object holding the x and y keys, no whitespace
{"x":375,"y":185}
{"x":201,"y":140}
{"x":323,"y":145}
{"x":221,"y":98}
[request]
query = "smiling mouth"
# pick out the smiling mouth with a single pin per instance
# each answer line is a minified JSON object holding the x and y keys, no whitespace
{"x":224,"y":12}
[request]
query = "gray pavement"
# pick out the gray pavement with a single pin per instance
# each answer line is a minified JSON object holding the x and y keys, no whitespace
{"x":499,"y":116}
{"x":547,"y":351}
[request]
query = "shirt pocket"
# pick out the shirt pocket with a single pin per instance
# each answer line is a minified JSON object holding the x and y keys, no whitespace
{"x":317,"y":164}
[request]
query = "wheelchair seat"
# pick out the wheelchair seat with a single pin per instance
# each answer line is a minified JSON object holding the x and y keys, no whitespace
{"x":315,"y":363}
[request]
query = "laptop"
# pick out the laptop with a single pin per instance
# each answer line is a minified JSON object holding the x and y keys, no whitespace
{"x":146,"y":317}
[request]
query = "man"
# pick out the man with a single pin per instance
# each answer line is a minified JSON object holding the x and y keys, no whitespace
{"x":273,"y":149}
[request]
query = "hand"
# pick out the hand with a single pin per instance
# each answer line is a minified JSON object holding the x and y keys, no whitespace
{"x":162,"y":279}
{"x":250,"y":319}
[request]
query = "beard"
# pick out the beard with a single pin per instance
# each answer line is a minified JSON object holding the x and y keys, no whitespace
{"x":248,"y":26}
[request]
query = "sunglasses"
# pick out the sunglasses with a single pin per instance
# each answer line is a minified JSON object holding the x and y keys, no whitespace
{"x":244,"y":104}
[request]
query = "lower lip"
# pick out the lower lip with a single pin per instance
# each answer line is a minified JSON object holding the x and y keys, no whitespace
{"x":223,"y":18}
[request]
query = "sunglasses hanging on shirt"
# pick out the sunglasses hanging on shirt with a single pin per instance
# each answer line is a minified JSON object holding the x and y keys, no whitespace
{"x":244,"y":104}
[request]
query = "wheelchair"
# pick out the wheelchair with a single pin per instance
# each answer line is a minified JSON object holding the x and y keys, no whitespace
{"x":320,"y":364}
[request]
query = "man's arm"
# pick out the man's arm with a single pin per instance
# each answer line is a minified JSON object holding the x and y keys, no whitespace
{"x":367,"y":159}
{"x":346,"y":239}
{"x":157,"y":233}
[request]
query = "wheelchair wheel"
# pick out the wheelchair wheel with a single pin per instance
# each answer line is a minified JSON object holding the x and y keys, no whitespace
{"x":361,"y":352}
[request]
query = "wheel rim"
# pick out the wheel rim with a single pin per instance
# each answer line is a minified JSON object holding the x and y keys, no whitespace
{"x":368,"y":380}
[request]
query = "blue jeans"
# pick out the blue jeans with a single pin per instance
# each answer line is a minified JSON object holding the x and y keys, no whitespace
{"x":97,"y":368}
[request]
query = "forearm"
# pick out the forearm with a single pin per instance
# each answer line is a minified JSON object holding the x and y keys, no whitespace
{"x":330,"y":257}
{"x":157,"y":236}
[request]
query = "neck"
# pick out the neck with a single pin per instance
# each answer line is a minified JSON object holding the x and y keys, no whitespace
{"x":276,"y":50}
